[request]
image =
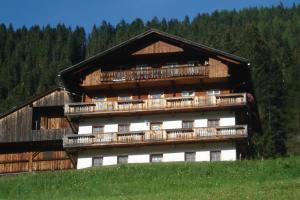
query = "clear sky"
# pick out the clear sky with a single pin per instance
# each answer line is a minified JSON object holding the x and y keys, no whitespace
{"x":88,"y":12}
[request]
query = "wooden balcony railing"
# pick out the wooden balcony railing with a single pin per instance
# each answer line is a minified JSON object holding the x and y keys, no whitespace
{"x":153,"y":73}
{"x":150,"y":136}
{"x":155,"y":104}
{"x":50,"y":134}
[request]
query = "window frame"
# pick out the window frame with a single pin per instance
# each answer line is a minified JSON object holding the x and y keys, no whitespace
{"x":97,"y":126}
{"x":152,"y":123}
{"x":156,"y":154}
{"x":214,"y":124}
{"x":95,"y":158}
{"x":125,"y":124}
{"x":120,"y":157}
{"x":187,"y":121}
{"x":191,"y":153}
{"x":216,"y":152}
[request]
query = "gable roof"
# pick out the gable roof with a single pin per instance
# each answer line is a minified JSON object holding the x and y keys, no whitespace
{"x":31,"y":100}
{"x":147,"y":34}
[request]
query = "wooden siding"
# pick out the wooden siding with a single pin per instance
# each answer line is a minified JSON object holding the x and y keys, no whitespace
{"x":217,"y":68}
{"x":56,"y":98}
{"x":157,"y":72}
{"x":17,"y":126}
{"x":159,"y":47}
{"x":34,"y":161}
{"x":163,"y":72}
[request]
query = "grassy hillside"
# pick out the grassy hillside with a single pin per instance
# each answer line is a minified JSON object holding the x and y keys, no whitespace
{"x":269,"y":179}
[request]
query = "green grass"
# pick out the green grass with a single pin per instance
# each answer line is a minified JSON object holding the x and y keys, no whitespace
{"x":268,"y":179}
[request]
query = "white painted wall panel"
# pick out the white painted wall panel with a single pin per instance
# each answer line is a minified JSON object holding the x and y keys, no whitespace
{"x":109,"y":128}
{"x":110,"y":160}
{"x":141,"y":126}
{"x":84,"y":162}
{"x":203,"y":156}
{"x":170,"y":153}
{"x":227,"y":155}
{"x":85,"y":130}
{"x":172,"y":124}
{"x":227,"y":121}
{"x":139,"y":158}
{"x":200,"y":123}
{"x":172,"y":157}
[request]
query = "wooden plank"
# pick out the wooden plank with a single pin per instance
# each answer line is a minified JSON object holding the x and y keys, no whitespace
{"x":158,"y":47}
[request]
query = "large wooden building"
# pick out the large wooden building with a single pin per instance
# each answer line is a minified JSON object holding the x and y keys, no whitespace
{"x":153,"y":98}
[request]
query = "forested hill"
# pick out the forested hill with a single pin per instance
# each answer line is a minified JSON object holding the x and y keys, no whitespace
{"x":270,"y":37}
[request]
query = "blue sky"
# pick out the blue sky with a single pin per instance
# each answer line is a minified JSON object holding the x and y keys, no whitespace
{"x":88,"y":12}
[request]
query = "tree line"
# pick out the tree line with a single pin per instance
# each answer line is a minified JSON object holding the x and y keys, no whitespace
{"x":30,"y":59}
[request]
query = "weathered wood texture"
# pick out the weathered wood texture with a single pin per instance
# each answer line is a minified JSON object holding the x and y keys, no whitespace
{"x":34,"y":161}
{"x":159,"y":47}
{"x":217,"y":68}
{"x":56,"y":98}
{"x":17,"y":126}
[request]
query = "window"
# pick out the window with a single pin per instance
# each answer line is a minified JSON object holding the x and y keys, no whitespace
{"x":122,"y":159}
{"x":215,"y":155}
{"x":124,"y":128}
{"x":187,"y":124}
{"x":190,"y":156}
{"x":156,"y":95}
{"x":97,"y":161}
{"x":98,"y":129}
{"x":156,"y":158}
{"x":156,"y":98}
{"x":100,"y":98}
{"x":213,"y":122}
{"x":213,"y":92}
{"x":155,"y":126}
{"x":124,"y":97}
{"x":190,"y":93}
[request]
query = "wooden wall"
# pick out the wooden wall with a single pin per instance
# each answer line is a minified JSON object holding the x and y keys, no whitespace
{"x":217,"y":68}
{"x":17,"y":125}
{"x":158,"y":47}
{"x":34,"y":161}
{"x":55,"y":98}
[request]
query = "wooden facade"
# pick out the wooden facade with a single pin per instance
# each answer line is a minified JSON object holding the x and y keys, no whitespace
{"x":34,"y":161}
{"x":39,"y":122}
{"x":43,"y":112}
{"x":152,"y":74}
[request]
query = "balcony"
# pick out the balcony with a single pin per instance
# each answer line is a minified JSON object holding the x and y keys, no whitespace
{"x":153,"y":73}
{"x":137,"y":75}
{"x":156,"y":136}
{"x":50,"y":134}
{"x":156,"y":105}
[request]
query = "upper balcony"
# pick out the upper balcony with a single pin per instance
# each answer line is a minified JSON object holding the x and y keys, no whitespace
{"x":184,"y":73}
{"x":149,"y":137}
{"x":191,"y":103}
